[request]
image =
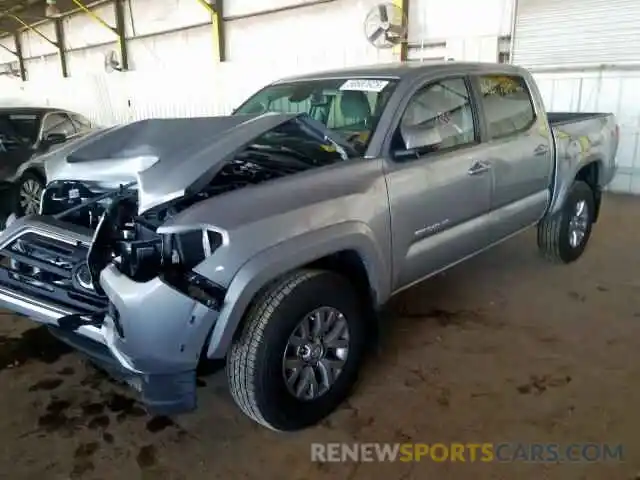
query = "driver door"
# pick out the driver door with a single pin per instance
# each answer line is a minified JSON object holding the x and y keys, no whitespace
{"x":439,"y":182}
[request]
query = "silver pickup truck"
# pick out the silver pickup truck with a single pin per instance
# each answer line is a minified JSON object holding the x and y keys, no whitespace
{"x":272,"y":237}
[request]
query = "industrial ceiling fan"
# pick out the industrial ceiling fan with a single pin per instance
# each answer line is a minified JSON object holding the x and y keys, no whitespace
{"x":386,"y":26}
{"x":111,"y":62}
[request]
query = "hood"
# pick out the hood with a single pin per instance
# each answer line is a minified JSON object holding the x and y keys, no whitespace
{"x":167,"y":158}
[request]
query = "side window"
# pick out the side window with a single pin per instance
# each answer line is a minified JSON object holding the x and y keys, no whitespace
{"x":57,"y":123}
{"x":81,"y":123}
{"x":507,"y":105}
{"x":439,"y":116}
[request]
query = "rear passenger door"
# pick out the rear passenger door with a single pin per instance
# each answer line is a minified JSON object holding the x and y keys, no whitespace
{"x":520,"y":152}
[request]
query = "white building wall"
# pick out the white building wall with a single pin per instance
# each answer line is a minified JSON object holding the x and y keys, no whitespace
{"x":172,"y":58}
{"x":41,"y":57}
{"x":460,"y":29}
{"x":588,"y":66}
{"x":174,"y":72}
{"x":6,"y":57}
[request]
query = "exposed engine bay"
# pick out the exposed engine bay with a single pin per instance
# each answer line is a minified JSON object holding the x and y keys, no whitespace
{"x":127,"y":238}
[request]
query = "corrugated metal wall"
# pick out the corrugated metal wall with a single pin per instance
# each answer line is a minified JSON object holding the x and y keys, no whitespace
{"x":577,"y":32}
{"x":593,"y":46}
{"x":451,"y":29}
{"x":175,"y":74}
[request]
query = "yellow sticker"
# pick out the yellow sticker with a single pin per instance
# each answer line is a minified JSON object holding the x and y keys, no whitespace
{"x":329,"y":148}
{"x":585,"y":144}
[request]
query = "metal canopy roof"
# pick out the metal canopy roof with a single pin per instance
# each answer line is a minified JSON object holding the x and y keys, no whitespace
{"x":30,"y":12}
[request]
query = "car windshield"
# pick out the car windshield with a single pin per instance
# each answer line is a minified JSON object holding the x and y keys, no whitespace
{"x":348,"y":107}
{"x":18,"y":129}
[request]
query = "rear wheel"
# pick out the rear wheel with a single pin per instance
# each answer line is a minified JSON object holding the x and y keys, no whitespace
{"x":300,"y":350}
{"x":563,"y":236}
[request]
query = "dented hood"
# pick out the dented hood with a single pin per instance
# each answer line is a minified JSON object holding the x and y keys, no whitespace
{"x":167,"y":158}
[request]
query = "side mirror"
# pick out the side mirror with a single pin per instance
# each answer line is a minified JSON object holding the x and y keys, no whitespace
{"x":54,"y":139}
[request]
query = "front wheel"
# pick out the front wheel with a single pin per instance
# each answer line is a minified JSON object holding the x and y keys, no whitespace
{"x":298,"y":355}
{"x":29,"y":192}
{"x":563,"y":236}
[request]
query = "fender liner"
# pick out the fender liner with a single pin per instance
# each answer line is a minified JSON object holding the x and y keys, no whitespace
{"x":273,"y":262}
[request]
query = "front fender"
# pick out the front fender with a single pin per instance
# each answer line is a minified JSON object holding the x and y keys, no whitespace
{"x":275,"y":261}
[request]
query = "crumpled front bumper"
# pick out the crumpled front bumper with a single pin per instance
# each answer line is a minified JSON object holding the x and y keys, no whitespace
{"x":147,"y":334}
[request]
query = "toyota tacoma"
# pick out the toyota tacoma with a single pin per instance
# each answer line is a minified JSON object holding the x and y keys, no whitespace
{"x":271,"y":238}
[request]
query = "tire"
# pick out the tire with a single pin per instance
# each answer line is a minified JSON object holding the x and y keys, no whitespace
{"x":255,"y":365}
{"x":554,"y":231}
{"x":30,"y":185}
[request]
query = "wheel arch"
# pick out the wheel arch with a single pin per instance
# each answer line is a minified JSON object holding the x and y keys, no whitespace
{"x":35,"y":171}
{"x":590,"y":174}
{"x":588,"y":171}
{"x":353,"y":254}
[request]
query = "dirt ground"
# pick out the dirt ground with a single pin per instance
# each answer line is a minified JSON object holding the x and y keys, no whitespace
{"x":503,"y":348}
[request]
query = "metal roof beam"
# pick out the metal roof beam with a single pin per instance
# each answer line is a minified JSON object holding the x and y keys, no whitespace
{"x":217,"y":23}
{"x":34,"y":30}
{"x":7,"y":49}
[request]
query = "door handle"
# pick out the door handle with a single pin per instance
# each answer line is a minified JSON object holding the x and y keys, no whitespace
{"x":478,"y":168}
{"x":541,"y":150}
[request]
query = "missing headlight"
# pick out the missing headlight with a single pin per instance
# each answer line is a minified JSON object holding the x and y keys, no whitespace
{"x":196,"y":286}
{"x":181,"y":253}
{"x":188,"y":249}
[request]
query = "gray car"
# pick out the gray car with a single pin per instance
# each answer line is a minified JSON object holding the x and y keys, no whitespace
{"x":272,"y":237}
{"x":27,"y":134}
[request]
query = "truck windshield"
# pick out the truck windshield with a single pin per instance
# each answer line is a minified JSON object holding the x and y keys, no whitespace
{"x":348,"y":107}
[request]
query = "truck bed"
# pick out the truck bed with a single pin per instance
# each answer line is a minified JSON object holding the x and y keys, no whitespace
{"x":580,"y":139}
{"x":560,"y":118}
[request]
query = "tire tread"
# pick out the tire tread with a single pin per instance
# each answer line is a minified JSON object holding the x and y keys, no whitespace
{"x":243,"y":353}
{"x":549,"y":229}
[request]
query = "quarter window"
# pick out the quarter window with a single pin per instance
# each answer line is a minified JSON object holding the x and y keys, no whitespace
{"x":57,"y":123}
{"x":81,"y":123}
{"x":439,"y":117}
{"x":507,"y":105}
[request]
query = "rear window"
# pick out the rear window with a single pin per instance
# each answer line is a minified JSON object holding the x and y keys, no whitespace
{"x":507,"y":105}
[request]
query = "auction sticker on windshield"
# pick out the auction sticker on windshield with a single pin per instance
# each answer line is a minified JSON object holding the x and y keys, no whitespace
{"x":364,"y":85}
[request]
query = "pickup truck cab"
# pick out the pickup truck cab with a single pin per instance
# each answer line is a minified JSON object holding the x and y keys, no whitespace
{"x":270,"y":238}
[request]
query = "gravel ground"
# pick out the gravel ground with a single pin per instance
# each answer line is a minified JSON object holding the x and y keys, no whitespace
{"x":503,"y":348}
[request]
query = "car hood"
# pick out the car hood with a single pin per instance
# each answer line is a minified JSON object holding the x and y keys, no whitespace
{"x":166,"y":158}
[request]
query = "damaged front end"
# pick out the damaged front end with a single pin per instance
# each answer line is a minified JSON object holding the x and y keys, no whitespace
{"x":94,"y":267}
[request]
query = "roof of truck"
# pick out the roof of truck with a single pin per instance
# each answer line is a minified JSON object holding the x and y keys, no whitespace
{"x":403,"y":70}
{"x":28,"y":110}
